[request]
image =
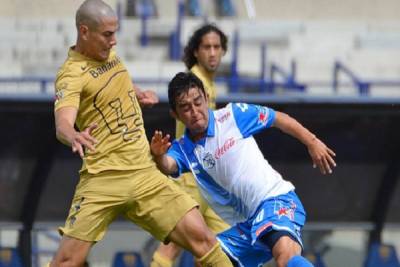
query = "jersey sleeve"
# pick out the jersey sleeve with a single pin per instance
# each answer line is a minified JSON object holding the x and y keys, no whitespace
{"x":68,"y":88}
{"x":251,"y":119}
{"x":176,"y":152}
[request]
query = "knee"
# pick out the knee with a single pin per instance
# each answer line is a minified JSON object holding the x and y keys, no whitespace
{"x":64,"y":259}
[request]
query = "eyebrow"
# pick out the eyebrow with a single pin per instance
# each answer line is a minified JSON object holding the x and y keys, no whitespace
{"x":183,"y":103}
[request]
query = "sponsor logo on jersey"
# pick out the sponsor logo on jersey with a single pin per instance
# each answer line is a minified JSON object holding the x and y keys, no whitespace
{"x":96,"y":72}
{"x":229,"y":143}
{"x":224,"y":117}
{"x":263,"y":115}
{"x":281,"y":209}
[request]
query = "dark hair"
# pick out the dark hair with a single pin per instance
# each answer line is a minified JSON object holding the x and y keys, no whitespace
{"x":181,"y":83}
{"x":194,"y":42}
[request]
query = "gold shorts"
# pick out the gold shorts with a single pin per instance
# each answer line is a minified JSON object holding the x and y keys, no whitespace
{"x":213,"y":221}
{"x":146,"y":197}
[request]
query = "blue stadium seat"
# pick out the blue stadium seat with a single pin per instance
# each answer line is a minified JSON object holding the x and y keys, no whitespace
{"x":225,"y":8}
{"x":127,"y":259}
{"x":315,"y":258}
{"x":9,"y":257}
{"x":382,"y":255}
{"x":194,"y":8}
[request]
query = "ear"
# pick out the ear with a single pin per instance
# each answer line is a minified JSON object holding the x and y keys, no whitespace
{"x":83,"y":31}
{"x":173,"y":114}
{"x":196,"y":54}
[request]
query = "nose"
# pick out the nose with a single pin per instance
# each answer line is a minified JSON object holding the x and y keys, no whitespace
{"x":113,"y":40}
{"x":213,"y":51}
{"x":194,"y":111}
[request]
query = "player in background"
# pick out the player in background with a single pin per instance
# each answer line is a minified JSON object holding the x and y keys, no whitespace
{"x":238,"y":182}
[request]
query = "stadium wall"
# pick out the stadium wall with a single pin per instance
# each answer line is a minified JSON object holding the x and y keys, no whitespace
{"x":364,"y":136}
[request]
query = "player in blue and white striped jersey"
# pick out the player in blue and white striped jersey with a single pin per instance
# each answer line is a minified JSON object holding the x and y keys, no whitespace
{"x":238,"y":182}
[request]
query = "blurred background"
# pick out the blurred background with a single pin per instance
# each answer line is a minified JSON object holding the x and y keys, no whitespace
{"x":333,"y":65}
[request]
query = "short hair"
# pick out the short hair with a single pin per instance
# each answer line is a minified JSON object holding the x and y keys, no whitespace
{"x":90,"y":12}
{"x":181,"y":83}
{"x":194,"y":42}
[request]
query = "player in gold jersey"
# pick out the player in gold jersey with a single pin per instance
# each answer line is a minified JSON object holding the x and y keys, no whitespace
{"x":118,"y":176}
{"x":202,"y":56}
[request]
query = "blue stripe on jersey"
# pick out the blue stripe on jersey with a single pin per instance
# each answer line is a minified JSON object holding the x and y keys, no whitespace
{"x":176,"y":153}
{"x":252,"y":119}
{"x":175,"y":150}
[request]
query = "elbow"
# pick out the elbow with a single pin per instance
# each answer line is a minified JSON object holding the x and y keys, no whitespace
{"x":58,"y":136}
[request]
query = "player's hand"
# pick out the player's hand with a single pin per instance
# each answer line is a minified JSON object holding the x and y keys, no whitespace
{"x":147,"y":98}
{"x":322,"y":156}
{"x":84,"y":139}
{"x":159,"y":145}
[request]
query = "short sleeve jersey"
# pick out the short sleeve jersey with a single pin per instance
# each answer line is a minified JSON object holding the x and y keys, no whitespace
{"x":229,"y":167}
{"x":103,"y":94}
{"x":211,"y":91}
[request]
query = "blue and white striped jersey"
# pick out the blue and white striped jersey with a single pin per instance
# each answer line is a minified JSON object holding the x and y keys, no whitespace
{"x":232,"y":173}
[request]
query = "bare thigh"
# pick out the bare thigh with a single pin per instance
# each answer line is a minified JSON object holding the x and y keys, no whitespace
{"x":284,"y":250}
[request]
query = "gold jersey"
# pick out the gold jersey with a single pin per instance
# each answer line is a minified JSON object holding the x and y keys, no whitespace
{"x":211,"y":91}
{"x":103,"y":94}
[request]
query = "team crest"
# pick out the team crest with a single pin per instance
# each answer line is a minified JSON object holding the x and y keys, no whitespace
{"x":208,"y":161}
{"x":60,"y":92}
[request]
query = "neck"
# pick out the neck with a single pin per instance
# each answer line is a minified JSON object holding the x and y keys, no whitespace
{"x":208,"y":74}
{"x":79,"y":47}
{"x":197,"y":136}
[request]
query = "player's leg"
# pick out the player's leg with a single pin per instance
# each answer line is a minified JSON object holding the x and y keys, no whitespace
{"x":278,"y":226}
{"x":165,"y":255}
{"x":287,"y":252}
{"x":71,"y":252}
{"x":93,"y":209}
{"x":237,"y":244}
{"x":212,"y":220}
{"x":285,"y":249}
{"x":170,"y":215}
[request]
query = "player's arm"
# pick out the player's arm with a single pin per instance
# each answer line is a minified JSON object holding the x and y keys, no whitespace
{"x":159,"y":146}
{"x":321,"y":155}
{"x":146,"y":98}
{"x":65,"y":120}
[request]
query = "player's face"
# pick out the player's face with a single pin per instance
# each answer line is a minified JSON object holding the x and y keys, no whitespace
{"x":210,"y":52}
{"x":192,"y":110}
{"x":102,"y":39}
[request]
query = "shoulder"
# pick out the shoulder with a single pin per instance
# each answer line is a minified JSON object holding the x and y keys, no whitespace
{"x":69,"y":71}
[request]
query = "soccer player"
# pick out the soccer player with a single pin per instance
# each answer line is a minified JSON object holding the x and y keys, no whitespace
{"x":232,"y":174}
{"x":202,"y":56}
{"x":118,"y":176}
